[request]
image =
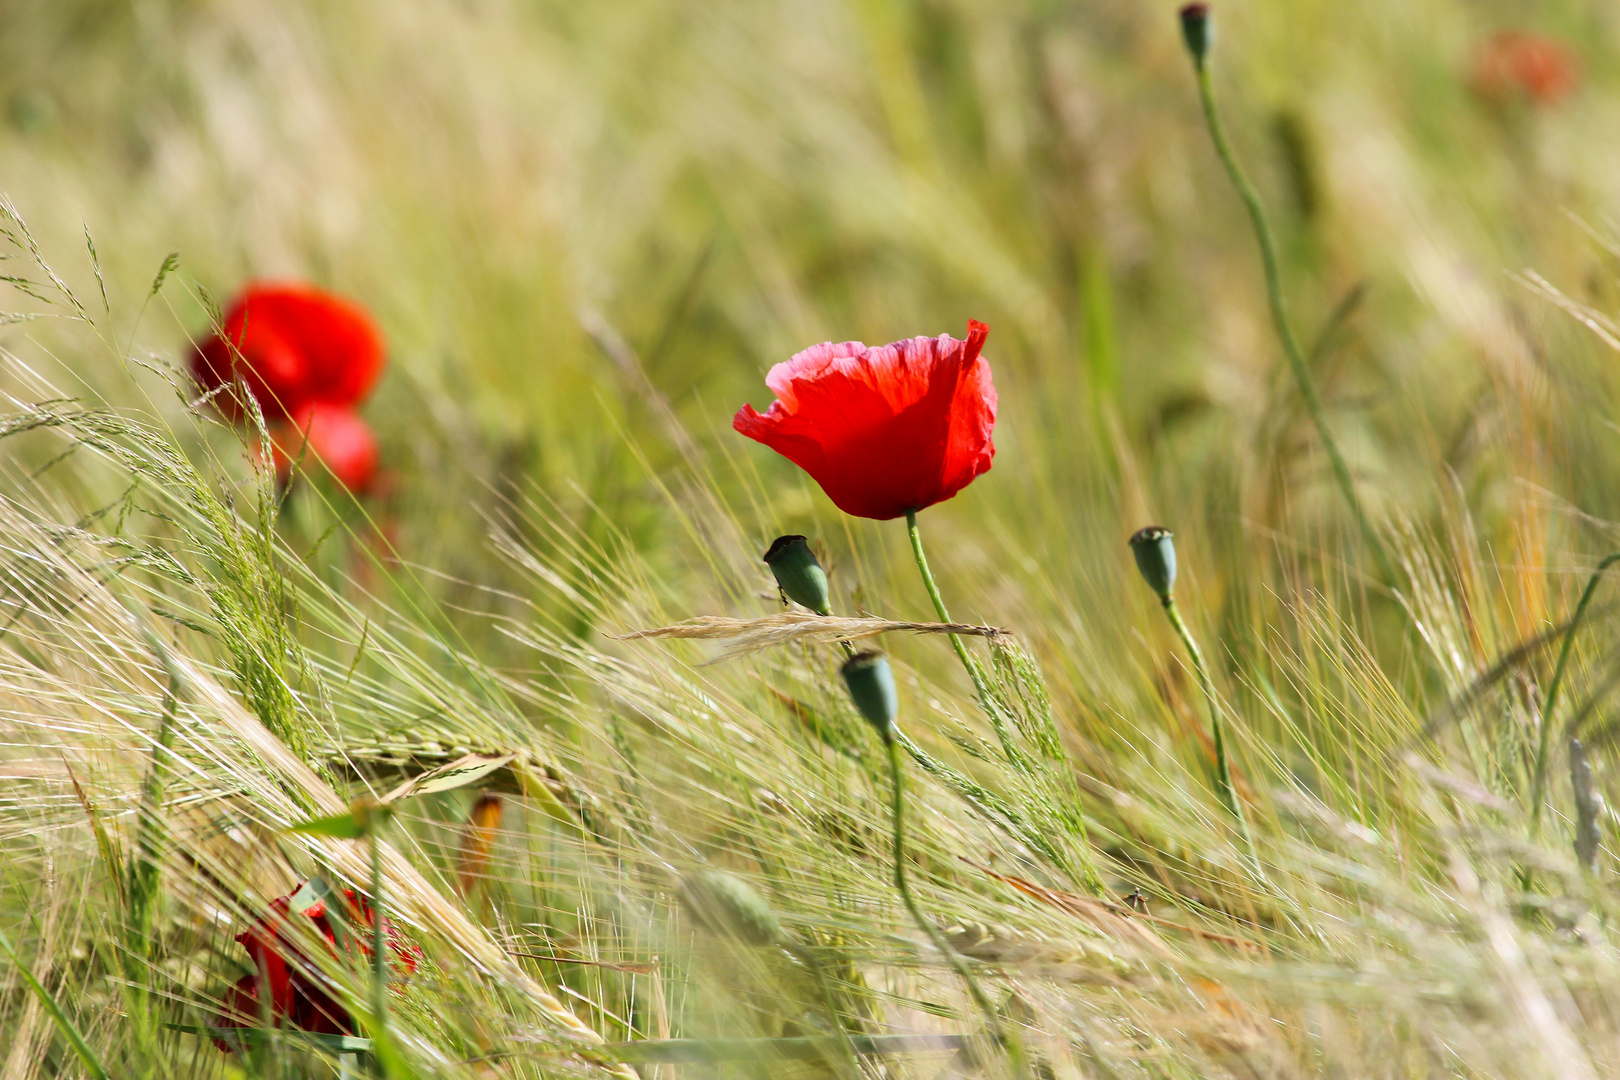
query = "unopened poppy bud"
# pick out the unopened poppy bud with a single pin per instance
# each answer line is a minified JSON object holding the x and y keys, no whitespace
{"x":1197,"y":30}
{"x":1155,"y":551}
{"x":799,"y":574}
{"x":871,"y":684}
{"x":725,"y":904}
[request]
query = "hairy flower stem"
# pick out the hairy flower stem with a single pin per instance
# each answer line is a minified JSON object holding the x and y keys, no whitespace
{"x":1279,"y":318}
{"x":150,"y":831}
{"x":141,"y":879}
{"x":991,"y":708}
{"x":1217,"y":719}
{"x":379,"y":965}
{"x":975,"y":673}
{"x":1002,"y":1035}
{"x":1544,"y":741}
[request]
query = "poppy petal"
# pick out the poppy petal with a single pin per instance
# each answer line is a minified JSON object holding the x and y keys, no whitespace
{"x":883,"y":430}
{"x":292,"y":345}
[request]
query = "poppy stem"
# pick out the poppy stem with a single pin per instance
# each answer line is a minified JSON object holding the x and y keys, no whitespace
{"x":379,"y":966}
{"x":962,"y":654}
{"x":994,"y":711}
{"x":1279,"y":317}
{"x":1002,"y":1035}
{"x":1217,"y":719}
{"x":141,"y":883}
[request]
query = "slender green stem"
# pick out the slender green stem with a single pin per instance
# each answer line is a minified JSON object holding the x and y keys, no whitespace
{"x":379,"y":962}
{"x":982,"y":800}
{"x":1539,"y":784}
{"x":975,"y":673}
{"x":994,"y":711}
{"x":150,"y":831}
{"x":1217,"y":719}
{"x":1279,"y":318}
{"x":141,"y":879}
{"x":1002,"y":1035}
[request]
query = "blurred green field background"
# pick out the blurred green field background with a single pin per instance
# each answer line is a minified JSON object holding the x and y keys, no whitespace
{"x":724,"y":184}
{"x":588,"y":229}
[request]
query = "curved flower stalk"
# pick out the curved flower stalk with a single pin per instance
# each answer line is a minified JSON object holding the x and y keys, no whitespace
{"x":1198,"y":32}
{"x":1154,"y":549}
{"x":870,"y":681}
{"x":1538,"y":784}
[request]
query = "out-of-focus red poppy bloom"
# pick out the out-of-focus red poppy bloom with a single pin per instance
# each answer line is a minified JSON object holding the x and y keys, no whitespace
{"x":286,"y":986}
{"x":477,"y":840}
{"x":332,"y":435}
{"x":883,"y":430}
{"x":297,"y":345}
{"x":1513,"y":63}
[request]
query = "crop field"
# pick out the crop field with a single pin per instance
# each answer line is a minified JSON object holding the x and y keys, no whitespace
{"x":472,"y":607}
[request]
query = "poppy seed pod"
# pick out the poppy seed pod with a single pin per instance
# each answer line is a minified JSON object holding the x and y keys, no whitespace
{"x":799,"y":574}
{"x":1155,"y":551}
{"x":727,"y":905}
{"x":1197,"y":30}
{"x":871,"y":684}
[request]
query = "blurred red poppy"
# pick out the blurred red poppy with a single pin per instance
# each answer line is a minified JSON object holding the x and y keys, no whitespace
{"x":297,"y":345}
{"x":477,"y":841}
{"x":883,"y":430}
{"x":332,"y":435}
{"x":286,"y":986}
{"x":1515,"y":62}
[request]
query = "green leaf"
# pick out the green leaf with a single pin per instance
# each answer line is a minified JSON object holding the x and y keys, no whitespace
{"x":317,"y":890}
{"x":252,"y":1036}
{"x":363,"y":817}
{"x":344,"y":826}
{"x":449,"y":776}
{"x":63,"y":1022}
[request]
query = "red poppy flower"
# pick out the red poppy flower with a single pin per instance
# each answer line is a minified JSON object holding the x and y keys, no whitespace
{"x":286,"y":986}
{"x":477,"y":840}
{"x":334,"y":436}
{"x":297,"y":345}
{"x":883,"y":430}
{"x":1515,"y":62}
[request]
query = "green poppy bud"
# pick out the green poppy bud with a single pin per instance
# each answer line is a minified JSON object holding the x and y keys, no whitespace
{"x":871,"y":684}
{"x":1155,"y":551}
{"x":1197,"y":30}
{"x":727,"y":905}
{"x":799,"y":574}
